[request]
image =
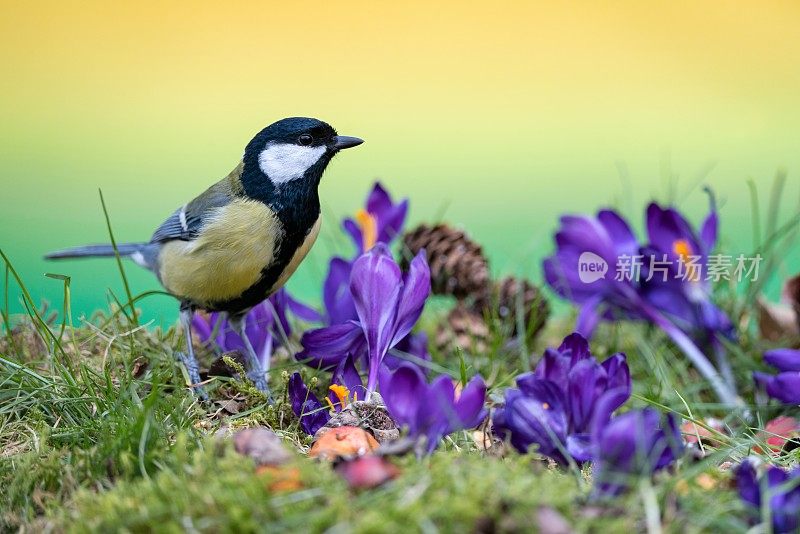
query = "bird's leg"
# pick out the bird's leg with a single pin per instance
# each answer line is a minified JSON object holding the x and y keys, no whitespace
{"x":188,"y":358}
{"x":257,"y":371}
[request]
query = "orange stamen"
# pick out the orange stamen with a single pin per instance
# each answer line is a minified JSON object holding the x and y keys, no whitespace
{"x":369,"y":228}
{"x":342,"y":393}
{"x":682,"y":248}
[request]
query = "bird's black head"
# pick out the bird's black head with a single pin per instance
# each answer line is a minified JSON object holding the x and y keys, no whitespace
{"x":297,"y":148}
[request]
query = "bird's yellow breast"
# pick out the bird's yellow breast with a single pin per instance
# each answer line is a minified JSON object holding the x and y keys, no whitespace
{"x":227,"y":257}
{"x":298,"y":256}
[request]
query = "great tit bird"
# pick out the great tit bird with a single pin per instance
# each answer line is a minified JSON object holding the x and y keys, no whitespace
{"x":240,"y":241}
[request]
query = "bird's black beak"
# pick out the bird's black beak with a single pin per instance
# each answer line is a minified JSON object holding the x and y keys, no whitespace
{"x":340,"y":142}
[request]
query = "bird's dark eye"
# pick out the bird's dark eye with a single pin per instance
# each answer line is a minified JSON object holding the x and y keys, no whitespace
{"x":304,"y":140}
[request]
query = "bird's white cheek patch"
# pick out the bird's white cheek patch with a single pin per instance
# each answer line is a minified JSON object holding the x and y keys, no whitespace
{"x":285,"y":162}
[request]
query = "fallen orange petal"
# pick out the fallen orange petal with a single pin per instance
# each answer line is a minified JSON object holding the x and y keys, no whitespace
{"x":343,"y":441}
{"x":281,"y":478}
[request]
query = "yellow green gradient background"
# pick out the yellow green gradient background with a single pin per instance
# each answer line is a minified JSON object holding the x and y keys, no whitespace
{"x":498,"y":116}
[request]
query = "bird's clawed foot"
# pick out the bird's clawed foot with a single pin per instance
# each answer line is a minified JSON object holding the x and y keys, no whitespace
{"x":193,"y":370}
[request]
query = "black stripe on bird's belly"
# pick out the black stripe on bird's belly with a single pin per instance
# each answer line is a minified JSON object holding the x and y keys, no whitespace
{"x":298,"y":214}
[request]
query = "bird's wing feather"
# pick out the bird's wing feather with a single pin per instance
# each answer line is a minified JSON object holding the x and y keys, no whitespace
{"x":185,"y":222}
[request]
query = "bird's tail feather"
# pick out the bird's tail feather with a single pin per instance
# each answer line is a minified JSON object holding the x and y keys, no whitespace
{"x":96,"y":251}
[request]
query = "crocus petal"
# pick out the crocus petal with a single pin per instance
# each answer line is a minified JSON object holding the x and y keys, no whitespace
{"x":226,"y":338}
{"x":535,"y":417}
{"x":670,"y":299}
{"x":619,"y":231}
{"x":607,"y":239}
{"x":553,"y":366}
{"x":302,"y":311}
{"x":783,"y":494}
{"x":747,"y":484}
{"x":437,"y":415}
{"x":440,"y":414}
{"x":586,"y":382}
{"x":389,"y":216}
{"x":264,"y":349}
{"x":784,"y":387}
{"x":708,"y":230}
{"x":347,"y":375}
{"x":306,"y":406}
{"x":402,"y":391}
{"x":416,"y":288}
{"x":579,"y":447}
{"x":392,"y":225}
{"x":631,"y":445}
{"x":379,"y":202}
{"x":336,"y":297}
{"x":258,"y":325}
{"x":469,"y":406}
{"x":562,"y":275}
{"x":202,"y":327}
{"x":324,"y":348}
{"x":665,"y":227}
{"x":606,"y":404}
{"x":354,"y":231}
{"x":589,"y":317}
{"x":672,"y":444}
{"x":619,"y":376}
{"x":576,"y":347}
{"x":277,"y":307}
{"x":784,"y":360}
{"x":714,"y":319}
{"x":785,"y":503}
{"x":375,"y":284}
{"x":298,"y":392}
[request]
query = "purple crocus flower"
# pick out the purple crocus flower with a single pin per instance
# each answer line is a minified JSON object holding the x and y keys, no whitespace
{"x":595,"y":243}
{"x":633,"y":445}
{"x":341,"y":309}
{"x":380,"y":222}
{"x":784,"y":386}
{"x":685,"y":295}
{"x":388,"y":303}
{"x":305,"y":405}
{"x":590,"y":249}
{"x":431,"y":411}
{"x":782,"y":488}
{"x":555,"y":406}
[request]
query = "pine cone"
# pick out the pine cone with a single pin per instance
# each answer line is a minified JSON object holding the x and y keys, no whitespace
{"x":504,"y":300}
{"x":464,"y":329}
{"x":458,"y":266}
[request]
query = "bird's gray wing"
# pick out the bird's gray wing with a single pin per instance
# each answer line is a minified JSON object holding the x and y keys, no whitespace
{"x":185,"y":223}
